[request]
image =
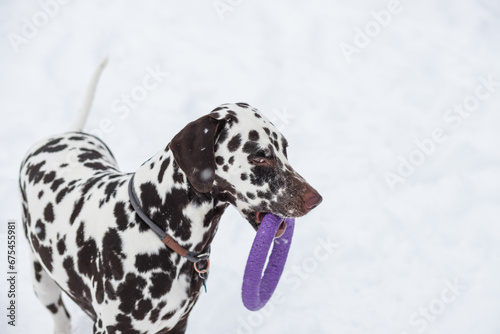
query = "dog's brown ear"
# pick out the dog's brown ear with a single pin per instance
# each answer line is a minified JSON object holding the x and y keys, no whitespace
{"x":193,"y":150}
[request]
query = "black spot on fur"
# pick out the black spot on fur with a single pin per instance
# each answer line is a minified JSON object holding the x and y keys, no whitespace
{"x":219,"y":160}
{"x":216,"y":115}
{"x":110,"y":190}
{"x":61,"y":245}
{"x":143,"y":308}
{"x":161,"y":284}
{"x":51,"y":147}
{"x":241,"y":197}
{"x":253,"y":135}
{"x":76,"y":210}
{"x":161,"y":260}
{"x":90,"y":184}
{"x":149,"y":196}
{"x":265,"y":195}
{"x":38,"y":270}
{"x":61,"y":195}
{"x":34,"y":172}
{"x":284,"y":145}
{"x":99,"y":293}
{"x":80,"y":235}
{"x":52,"y":308}
{"x":121,"y":216}
{"x":40,"y":194}
{"x":260,"y":175}
{"x":112,"y":255}
{"x":244,"y":176}
{"x":276,"y":145}
{"x":89,"y":155}
{"x":171,"y":211}
{"x":168,"y":315}
{"x":49,"y":177}
{"x":123,"y":325}
{"x":234,"y":143}
{"x":110,"y":291}
{"x":87,"y":254}
{"x":40,"y":230}
{"x":129,"y":292}
{"x":250,"y":195}
{"x":56,"y":184}
{"x":95,"y":166}
{"x":251,"y":147}
{"x":163,"y":168}
{"x":48,"y":213}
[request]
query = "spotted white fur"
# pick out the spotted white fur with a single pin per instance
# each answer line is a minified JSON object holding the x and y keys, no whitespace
{"x":88,"y":242}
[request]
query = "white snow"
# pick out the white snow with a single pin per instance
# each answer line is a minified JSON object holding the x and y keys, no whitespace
{"x":423,"y":257}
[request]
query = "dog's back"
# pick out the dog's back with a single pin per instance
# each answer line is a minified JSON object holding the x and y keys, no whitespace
{"x":87,"y":240}
{"x":58,"y":177}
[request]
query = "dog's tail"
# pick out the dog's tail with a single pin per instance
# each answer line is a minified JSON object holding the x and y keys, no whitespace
{"x":89,"y":97}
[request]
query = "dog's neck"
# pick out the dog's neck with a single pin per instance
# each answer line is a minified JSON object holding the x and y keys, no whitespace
{"x":166,"y":196}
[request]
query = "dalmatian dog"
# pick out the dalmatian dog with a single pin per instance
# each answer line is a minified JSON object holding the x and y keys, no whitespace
{"x":88,"y":223}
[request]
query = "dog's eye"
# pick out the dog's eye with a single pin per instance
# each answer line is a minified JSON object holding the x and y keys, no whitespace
{"x":260,"y":161}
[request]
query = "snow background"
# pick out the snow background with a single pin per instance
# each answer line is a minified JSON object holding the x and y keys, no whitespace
{"x":396,"y":251}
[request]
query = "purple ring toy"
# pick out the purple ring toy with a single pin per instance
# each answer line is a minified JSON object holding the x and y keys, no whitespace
{"x":258,"y":289}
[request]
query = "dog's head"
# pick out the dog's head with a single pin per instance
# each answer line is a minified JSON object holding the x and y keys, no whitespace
{"x":238,"y":155}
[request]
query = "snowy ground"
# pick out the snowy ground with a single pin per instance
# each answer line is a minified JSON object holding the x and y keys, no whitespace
{"x":398,"y":130}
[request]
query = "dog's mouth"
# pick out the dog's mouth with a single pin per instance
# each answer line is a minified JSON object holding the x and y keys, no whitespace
{"x":259,"y":217}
